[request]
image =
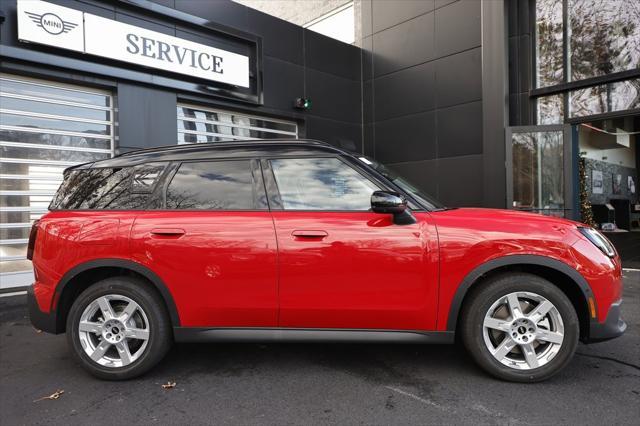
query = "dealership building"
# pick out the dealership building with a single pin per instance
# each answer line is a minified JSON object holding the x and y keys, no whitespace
{"x":520,"y":104}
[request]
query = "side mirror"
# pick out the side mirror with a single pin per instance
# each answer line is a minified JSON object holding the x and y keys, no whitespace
{"x":388,"y":202}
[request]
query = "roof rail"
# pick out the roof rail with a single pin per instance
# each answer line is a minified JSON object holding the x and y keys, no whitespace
{"x":210,"y":145}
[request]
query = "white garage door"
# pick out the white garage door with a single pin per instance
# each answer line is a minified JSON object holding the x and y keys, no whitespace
{"x":44,"y":128}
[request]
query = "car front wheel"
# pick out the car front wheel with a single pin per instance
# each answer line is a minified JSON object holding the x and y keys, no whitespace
{"x":118,"y":328}
{"x":520,"y":327}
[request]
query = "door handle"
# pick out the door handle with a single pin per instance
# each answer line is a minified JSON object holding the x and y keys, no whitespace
{"x":310,"y":234}
{"x":168,"y":232}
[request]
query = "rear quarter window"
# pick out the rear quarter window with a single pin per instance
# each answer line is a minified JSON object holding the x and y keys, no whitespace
{"x":124,"y":188}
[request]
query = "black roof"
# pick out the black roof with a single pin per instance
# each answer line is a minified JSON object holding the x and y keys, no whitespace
{"x":230,"y":149}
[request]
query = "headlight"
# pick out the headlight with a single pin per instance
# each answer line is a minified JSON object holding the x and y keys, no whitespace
{"x":599,"y":241}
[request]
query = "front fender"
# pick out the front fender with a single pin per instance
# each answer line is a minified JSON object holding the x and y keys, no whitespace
{"x":511,"y":260}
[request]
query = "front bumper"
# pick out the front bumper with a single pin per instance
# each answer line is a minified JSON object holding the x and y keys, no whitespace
{"x":40,"y":320}
{"x":612,"y":327}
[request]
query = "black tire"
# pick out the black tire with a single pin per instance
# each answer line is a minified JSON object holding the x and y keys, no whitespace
{"x":480,"y":300}
{"x":160,"y":331}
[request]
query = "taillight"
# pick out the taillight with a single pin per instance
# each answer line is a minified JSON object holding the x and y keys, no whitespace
{"x":32,"y":239}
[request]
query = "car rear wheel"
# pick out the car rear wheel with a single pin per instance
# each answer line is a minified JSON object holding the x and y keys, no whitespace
{"x":118,"y":328}
{"x":520,"y":327}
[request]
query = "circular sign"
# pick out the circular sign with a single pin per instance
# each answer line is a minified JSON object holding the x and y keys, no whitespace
{"x":52,"y":23}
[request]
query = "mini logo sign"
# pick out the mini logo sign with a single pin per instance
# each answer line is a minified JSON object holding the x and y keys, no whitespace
{"x":66,"y":28}
{"x":51,"y":23}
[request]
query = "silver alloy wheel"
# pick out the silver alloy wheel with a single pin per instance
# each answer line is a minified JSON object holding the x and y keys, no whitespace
{"x":114,"y":330}
{"x":523,"y":330}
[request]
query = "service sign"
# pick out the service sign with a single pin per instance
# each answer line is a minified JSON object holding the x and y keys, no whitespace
{"x":53,"y":25}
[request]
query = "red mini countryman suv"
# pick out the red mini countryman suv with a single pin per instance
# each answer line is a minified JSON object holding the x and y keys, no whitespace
{"x":301,"y":241}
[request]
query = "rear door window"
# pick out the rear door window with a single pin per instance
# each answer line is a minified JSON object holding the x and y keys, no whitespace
{"x":217,"y":185}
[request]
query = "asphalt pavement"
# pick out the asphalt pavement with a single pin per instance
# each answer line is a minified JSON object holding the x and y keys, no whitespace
{"x":314,"y":383}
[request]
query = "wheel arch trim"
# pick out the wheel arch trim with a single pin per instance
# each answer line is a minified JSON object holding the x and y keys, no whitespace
{"x":138,"y":268}
{"x":511,"y":260}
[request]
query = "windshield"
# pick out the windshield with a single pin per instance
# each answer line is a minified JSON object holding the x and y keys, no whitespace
{"x":404,"y":184}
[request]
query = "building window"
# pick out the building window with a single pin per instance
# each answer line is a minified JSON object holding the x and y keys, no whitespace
{"x":549,"y":29}
{"x":602,"y":37}
{"x":550,"y":109}
{"x":44,"y":128}
{"x":338,"y":24}
{"x":197,"y":124}
{"x":610,"y":97}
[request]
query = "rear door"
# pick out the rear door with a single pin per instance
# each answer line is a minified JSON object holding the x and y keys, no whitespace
{"x":341,"y":265}
{"x":213,"y":244}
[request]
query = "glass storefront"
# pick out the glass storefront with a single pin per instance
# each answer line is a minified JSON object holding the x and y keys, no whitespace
{"x":538,"y":179}
{"x":44,"y":128}
{"x":602,"y":37}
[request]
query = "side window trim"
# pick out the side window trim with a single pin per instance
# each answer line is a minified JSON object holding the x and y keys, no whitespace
{"x":273,"y":192}
{"x":271,"y":186}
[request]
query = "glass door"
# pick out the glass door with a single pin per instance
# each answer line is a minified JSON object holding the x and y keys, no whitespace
{"x":541,"y":170}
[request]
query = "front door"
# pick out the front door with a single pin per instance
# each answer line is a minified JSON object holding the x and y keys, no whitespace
{"x":341,"y":265}
{"x":214,"y":245}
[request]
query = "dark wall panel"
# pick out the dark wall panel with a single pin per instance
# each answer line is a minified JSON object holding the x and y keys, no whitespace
{"x":404,"y":45}
{"x":457,"y":27}
{"x":425,"y":59}
{"x":280,"y":39}
{"x":387,"y":13}
{"x":421,"y":173}
{"x":325,"y":54}
{"x":459,"y":78}
{"x":459,"y":181}
{"x":226,"y":13}
{"x":460,"y":130}
{"x":405,"y":92}
{"x":334,"y":97}
{"x":146,"y":116}
{"x":283,"y":82}
{"x":407,"y":138}
{"x":337,"y":133}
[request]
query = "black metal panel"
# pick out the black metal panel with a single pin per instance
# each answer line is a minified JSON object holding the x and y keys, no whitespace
{"x":387,"y":13}
{"x":367,"y":102}
{"x":460,"y":130}
{"x":368,"y":141}
{"x":328,"y":55}
{"x":338,"y":133}
{"x":459,"y":183}
{"x":147,"y":117}
{"x":408,"y":138}
{"x":459,"y":78}
{"x":281,"y":39}
{"x":283,"y":82}
{"x":146,"y":23}
{"x":405,"y":92}
{"x":333,"y":97}
{"x":525,"y":66}
{"x":457,"y":27}
{"x":423,"y":173}
{"x":367,"y":58}
{"x":222,"y":12}
{"x":404,"y":45}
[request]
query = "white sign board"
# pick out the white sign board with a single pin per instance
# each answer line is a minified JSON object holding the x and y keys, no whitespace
{"x":53,"y":25}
